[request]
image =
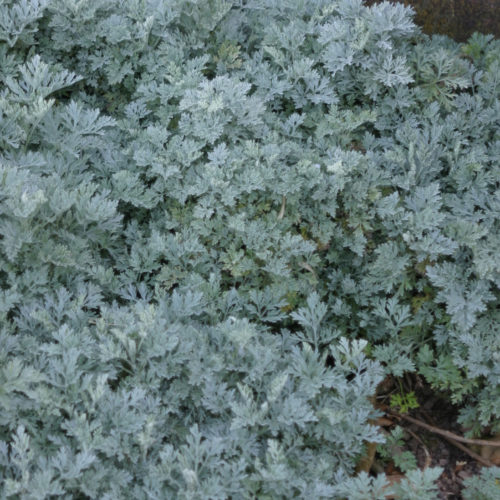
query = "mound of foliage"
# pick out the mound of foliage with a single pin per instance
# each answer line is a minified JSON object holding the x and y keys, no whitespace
{"x":222,"y":224}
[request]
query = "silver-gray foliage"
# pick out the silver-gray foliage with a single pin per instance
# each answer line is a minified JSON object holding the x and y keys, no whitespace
{"x":222,"y":223}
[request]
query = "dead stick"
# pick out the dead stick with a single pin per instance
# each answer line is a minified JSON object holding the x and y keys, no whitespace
{"x":428,"y":459}
{"x":447,"y":434}
{"x":460,"y":446}
{"x":474,"y":455}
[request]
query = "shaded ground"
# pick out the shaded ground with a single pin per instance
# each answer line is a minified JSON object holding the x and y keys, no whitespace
{"x":457,"y":464}
{"x":429,"y":448}
{"x":455,"y":18}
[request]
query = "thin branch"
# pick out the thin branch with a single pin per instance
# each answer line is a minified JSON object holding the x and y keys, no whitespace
{"x":462,"y":447}
{"x":469,"y":452}
{"x":452,"y":441}
{"x":428,"y":459}
{"x":446,"y":434}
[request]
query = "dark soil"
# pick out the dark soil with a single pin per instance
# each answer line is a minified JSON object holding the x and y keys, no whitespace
{"x":433,"y":450}
{"x":455,"y":18}
{"x":457,"y":465}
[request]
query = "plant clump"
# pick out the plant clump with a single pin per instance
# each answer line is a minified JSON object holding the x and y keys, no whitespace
{"x":223,"y":224}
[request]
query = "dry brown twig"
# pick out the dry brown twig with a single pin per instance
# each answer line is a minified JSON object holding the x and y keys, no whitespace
{"x":454,"y":439}
{"x":469,"y":452}
{"x":428,"y":458}
{"x":447,"y":434}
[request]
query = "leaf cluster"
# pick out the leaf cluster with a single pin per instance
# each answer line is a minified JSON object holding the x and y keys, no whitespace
{"x":222,"y":223}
